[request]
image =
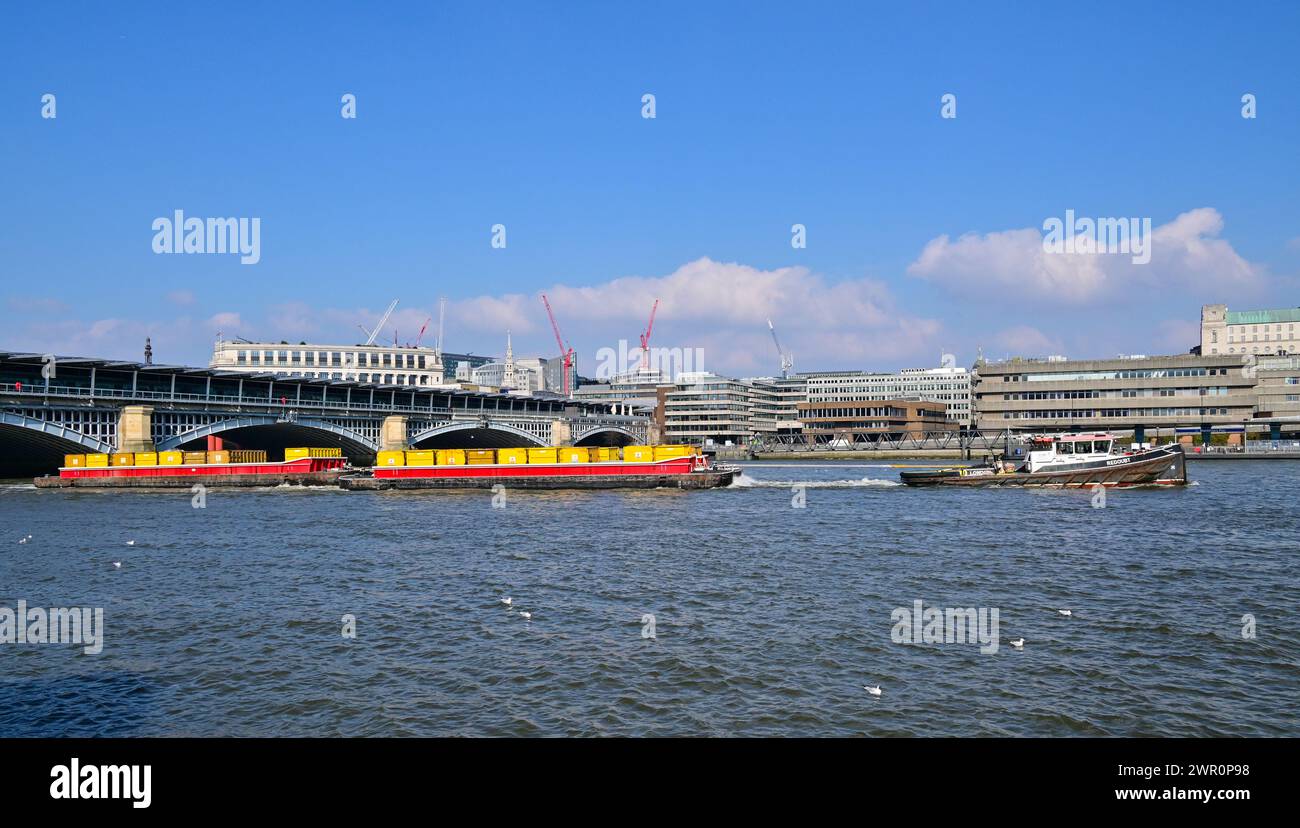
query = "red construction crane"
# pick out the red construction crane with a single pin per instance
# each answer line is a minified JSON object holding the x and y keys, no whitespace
{"x":421,"y":336}
{"x":565,"y":351}
{"x":645,"y":338}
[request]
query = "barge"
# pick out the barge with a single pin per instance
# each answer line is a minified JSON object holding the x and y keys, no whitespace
{"x":176,"y":469}
{"x":635,"y":467}
{"x":1068,"y":461}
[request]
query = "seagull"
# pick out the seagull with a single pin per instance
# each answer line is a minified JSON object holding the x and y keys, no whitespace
{"x":22,"y":540}
{"x":507,"y":600}
{"x":875,"y":691}
{"x":1018,"y":643}
{"x":117,"y":564}
{"x":525,"y":615}
{"x":130,"y":543}
{"x":1065,"y":612}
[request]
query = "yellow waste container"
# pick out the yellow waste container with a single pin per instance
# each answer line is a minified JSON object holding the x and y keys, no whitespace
{"x":542,"y":455}
{"x":638,"y":454}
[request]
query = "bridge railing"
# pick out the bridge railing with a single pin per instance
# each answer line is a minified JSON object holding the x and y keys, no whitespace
{"x":365,"y":406}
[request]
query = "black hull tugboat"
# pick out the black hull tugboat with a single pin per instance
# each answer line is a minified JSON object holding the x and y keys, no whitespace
{"x":1068,"y":461}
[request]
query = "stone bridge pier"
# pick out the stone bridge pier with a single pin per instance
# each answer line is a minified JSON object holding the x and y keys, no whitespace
{"x":561,"y":433}
{"x":392,"y":434}
{"x":135,"y":429}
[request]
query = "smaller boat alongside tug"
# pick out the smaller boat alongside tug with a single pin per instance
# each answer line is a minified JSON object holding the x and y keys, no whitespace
{"x":1068,"y":461}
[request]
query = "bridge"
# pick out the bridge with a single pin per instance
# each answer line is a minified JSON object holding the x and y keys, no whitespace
{"x":53,"y":405}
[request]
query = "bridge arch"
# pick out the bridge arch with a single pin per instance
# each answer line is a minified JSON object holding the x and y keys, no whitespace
{"x":29,"y":446}
{"x":261,"y":428}
{"x":485,"y":433}
{"x":608,"y":436}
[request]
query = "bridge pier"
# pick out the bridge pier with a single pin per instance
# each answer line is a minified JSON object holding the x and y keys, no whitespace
{"x":561,"y":433}
{"x":135,"y":429}
{"x":392,"y":433}
{"x":654,"y":433}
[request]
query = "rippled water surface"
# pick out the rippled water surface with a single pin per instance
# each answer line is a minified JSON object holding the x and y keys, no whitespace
{"x":769,"y":619}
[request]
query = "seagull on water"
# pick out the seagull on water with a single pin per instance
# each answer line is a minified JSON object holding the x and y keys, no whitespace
{"x":1065,"y":612}
{"x":117,"y":564}
{"x":525,"y":615}
{"x":875,"y":691}
{"x":22,"y":540}
{"x":1018,"y":643}
{"x":507,"y":600}
{"x":130,"y":543}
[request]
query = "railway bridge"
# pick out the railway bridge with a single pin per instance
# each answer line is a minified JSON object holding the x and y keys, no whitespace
{"x":52,"y":405}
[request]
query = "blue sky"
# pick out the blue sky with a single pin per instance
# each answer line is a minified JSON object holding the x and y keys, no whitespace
{"x":529,"y":115}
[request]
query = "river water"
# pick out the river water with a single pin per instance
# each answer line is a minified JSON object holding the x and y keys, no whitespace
{"x":768,"y":618}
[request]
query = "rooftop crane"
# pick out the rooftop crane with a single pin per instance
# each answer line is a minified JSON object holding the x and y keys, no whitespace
{"x":370,"y":335}
{"x":442,"y":312}
{"x":565,"y":351}
{"x":420,"y":336}
{"x":645,"y":338}
{"x":787,"y":361}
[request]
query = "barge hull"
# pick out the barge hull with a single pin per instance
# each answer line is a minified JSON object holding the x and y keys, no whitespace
{"x":690,"y":480}
{"x":303,"y":471}
{"x":326,"y":478}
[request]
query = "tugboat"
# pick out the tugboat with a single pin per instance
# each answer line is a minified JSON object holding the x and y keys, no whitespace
{"x":1068,"y":461}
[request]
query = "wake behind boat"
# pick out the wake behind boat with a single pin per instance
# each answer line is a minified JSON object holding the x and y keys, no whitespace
{"x":1067,"y":461}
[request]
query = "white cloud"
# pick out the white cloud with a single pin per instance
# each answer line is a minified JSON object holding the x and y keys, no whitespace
{"x":1026,"y":340}
{"x":1186,"y":254}
{"x":719,"y":307}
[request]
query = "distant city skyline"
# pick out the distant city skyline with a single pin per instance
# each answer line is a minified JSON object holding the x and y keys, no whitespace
{"x":923,"y":233}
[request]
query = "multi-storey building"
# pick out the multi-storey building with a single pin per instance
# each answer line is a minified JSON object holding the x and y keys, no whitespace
{"x":1138,"y":393}
{"x":380,"y":364}
{"x":871,"y":420}
{"x":949,"y":384}
{"x":703,"y":408}
{"x":1278,"y":388}
{"x":1249,"y":332}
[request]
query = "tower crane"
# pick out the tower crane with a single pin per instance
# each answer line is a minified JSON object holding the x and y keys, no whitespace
{"x":566,"y":353}
{"x":787,"y":361}
{"x":370,"y":335}
{"x":645,"y":338}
